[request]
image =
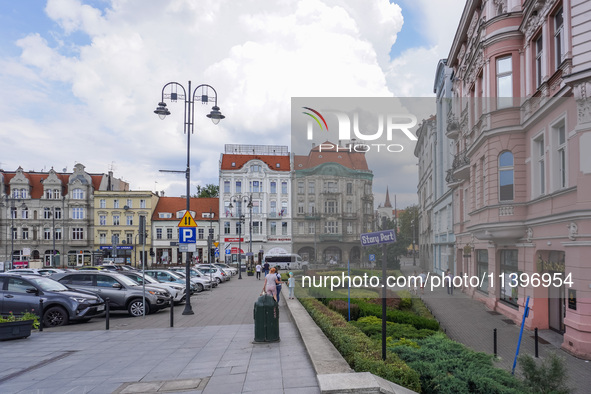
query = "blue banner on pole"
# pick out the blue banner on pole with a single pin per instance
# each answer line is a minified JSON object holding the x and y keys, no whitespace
{"x":379,"y":237}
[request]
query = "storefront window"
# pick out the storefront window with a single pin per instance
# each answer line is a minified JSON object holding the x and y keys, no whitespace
{"x":482,"y":266}
{"x":509,"y":267}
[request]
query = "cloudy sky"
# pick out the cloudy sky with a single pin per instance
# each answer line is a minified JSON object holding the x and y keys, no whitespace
{"x":80,"y":79}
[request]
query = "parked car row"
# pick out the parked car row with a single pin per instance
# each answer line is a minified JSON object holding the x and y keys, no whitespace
{"x":79,"y":295}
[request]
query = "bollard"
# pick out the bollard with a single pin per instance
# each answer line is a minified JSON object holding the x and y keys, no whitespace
{"x":171,"y":311}
{"x":536,"y":340}
{"x":495,"y":341}
{"x":40,"y":314}
{"x":107,"y":313}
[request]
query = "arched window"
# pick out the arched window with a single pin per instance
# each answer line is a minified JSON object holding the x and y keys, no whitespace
{"x":506,"y":176}
{"x":78,"y":194}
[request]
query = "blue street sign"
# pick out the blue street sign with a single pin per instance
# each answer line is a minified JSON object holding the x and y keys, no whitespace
{"x":228,"y":251}
{"x":187,"y":235}
{"x":372,"y":257}
{"x":379,"y":237}
{"x":217,"y":252}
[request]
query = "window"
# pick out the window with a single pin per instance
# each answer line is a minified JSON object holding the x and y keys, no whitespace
{"x":25,"y":213}
{"x":311,"y":207}
{"x":14,"y":233}
{"x":312,"y":228}
{"x":103,"y":203}
{"x":283,"y":208}
{"x":506,"y":176}
{"x":169,"y":233}
{"x":238,"y":228}
{"x":102,"y":238}
{"x":77,"y":233}
{"x":273,"y":228}
{"x":511,"y":274}
{"x":58,"y":213}
{"x":17,"y":285}
{"x":301,"y":227}
{"x":330,"y":187}
{"x":102,"y":220}
{"x":158,"y":233}
{"x":58,"y":233}
{"x":129,"y":203}
{"x":311,"y":187}
{"x":504,"y":82}
{"x":78,"y":194}
{"x":330,"y":206}
{"x":129,"y":238}
{"x":558,"y":30}
{"x":482,"y":266}
{"x":540,"y":170}
{"x":283,"y":228}
{"x":349,"y":207}
{"x":301,"y":187}
{"x":301,"y":207}
{"x":349,"y":228}
{"x":165,"y":215}
{"x":46,"y":213}
{"x":142,"y":204}
{"x":284,"y":187}
{"x":129,"y":220}
{"x":211,"y":232}
{"x":255,"y":186}
{"x":349,"y":188}
{"x":331,"y":227}
{"x":273,"y":187}
{"x":24,"y":193}
{"x":13,"y":213}
{"x":256,"y":207}
{"x":25,"y":233}
{"x":46,"y":233}
{"x":49,"y":194}
{"x":255,"y":168}
{"x":226,"y":227}
{"x":226,"y":186}
{"x":77,"y":213}
{"x":201,"y":233}
{"x":560,"y":137}
{"x":115,"y":220}
{"x":116,"y":203}
{"x":273,"y":208}
{"x":539,"y":47}
{"x":105,"y":281}
{"x":257,"y":227}
{"x":238,"y":186}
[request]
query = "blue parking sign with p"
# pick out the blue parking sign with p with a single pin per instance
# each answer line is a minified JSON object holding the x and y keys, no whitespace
{"x":187,"y":235}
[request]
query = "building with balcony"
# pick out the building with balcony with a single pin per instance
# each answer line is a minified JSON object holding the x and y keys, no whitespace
{"x":520,"y":125}
{"x":51,"y":216}
{"x":332,"y":204}
{"x":116,"y":222}
{"x":255,"y":198}
{"x":165,"y":231}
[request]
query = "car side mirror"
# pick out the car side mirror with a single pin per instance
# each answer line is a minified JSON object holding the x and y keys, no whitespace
{"x":32,"y":290}
{"x":117,"y":285}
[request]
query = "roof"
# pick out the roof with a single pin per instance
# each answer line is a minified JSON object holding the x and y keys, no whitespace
{"x":340,"y":155}
{"x":36,"y":184}
{"x":240,"y":160}
{"x":197,"y":205}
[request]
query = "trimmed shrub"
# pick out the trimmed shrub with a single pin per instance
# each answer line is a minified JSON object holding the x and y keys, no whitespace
{"x":342,"y":307}
{"x":372,"y":327}
{"x":446,"y":366}
{"x":547,"y":376}
{"x":397,"y":316}
{"x":362,"y":354}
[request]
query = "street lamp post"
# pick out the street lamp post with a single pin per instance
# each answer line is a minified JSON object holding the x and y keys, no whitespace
{"x":241,"y":220}
{"x":250,"y":257}
{"x":414,"y":262}
{"x":189,"y":96}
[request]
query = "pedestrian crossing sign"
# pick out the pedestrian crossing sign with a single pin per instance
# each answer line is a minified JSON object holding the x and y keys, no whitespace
{"x":187,"y":221}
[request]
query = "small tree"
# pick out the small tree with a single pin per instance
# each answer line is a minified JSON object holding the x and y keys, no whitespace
{"x":210,"y":190}
{"x":545,"y":377}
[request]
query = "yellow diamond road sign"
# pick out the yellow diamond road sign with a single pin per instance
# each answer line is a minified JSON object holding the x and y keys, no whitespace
{"x":187,"y":221}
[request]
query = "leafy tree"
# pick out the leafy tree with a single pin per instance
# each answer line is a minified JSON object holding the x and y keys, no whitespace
{"x":548,"y":376}
{"x":210,"y":190}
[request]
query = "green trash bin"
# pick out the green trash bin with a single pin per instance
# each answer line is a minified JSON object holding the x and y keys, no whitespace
{"x":266,"y":319}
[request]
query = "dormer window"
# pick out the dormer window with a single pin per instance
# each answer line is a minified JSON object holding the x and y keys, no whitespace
{"x":255,"y":168}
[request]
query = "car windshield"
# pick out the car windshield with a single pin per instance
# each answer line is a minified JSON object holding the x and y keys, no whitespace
{"x":138,"y":278}
{"x":47,"y":284}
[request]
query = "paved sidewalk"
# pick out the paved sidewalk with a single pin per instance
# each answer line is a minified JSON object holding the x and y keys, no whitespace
{"x":468,"y":321}
{"x":198,"y":355}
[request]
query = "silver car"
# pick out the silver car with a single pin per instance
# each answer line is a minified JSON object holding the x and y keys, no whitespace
{"x":197,"y":277}
{"x":122,"y":292}
{"x":217,"y":274}
{"x":175,"y":289}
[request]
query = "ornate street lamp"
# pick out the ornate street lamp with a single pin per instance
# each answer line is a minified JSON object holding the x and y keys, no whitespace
{"x":189,"y":96}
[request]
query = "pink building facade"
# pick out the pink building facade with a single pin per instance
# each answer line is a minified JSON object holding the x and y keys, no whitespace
{"x":521,"y":175}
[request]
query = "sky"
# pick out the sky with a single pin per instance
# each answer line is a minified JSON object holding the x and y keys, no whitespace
{"x":80,"y":79}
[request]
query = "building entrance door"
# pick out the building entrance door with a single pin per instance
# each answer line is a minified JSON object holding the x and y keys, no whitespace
{"x":556,"y":308}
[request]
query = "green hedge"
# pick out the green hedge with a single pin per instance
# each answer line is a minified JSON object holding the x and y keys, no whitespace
{"x":372,"y":327}
{"x":397,"y":316}
{"x":362,"y":354}
{"x":342,"y":307}
{"x":446,"y":366}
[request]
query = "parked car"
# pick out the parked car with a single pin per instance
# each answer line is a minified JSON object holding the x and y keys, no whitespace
{"x":197,"y":277}
{"x":226,"y":268}
{"x":123,"y":293}
{"x":177,"y":290}
{"x":23,"y":271}
{"x":218,"y":275}
{"x":51,"y":271}
{"x":170,"y":276}
{"x":21,"y":293}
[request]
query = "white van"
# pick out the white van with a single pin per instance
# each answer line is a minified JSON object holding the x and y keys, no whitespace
{"x":285,"y":261}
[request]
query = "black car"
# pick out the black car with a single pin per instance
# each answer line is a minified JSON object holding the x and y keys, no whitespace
{"x":61,"y":305}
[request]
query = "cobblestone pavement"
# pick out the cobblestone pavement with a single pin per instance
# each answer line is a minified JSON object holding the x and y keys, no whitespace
{"x":468,"y":321}
{"x":208,"y":352}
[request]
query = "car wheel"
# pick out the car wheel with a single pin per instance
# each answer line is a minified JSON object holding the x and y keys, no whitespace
{"x":55,"y":316}
{"x":136,"y":308}
{"x":199,"y":287}
{"x":218,"y":280}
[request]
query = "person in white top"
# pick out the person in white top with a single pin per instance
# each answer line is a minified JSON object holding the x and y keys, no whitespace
{"x":258,"y":269}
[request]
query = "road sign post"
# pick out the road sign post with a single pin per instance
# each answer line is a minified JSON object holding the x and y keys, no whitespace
{"x":381,"y":238}
{"x":188,"y":238}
